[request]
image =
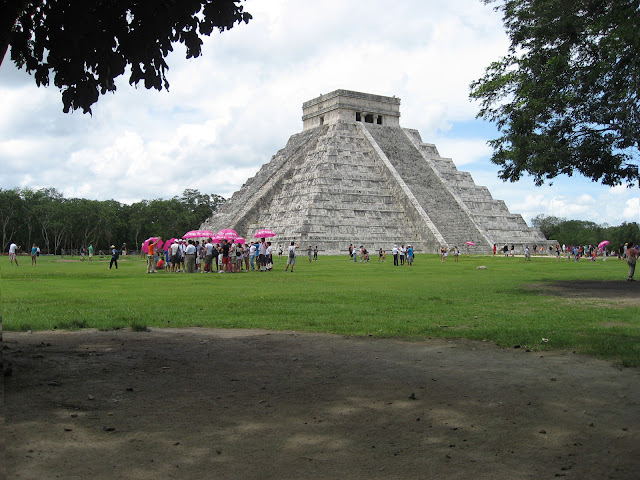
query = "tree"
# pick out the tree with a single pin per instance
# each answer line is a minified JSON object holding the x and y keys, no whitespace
{"x":87,"y":44}
{"x":566,"y":97}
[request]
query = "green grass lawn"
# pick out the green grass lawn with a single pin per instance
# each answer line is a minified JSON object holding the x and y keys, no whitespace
{"x":430,"y":299}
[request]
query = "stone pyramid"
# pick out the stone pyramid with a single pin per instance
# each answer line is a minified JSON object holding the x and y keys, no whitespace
{"x":353,"y":175}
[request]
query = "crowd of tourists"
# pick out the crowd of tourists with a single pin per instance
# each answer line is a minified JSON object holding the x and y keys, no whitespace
{"x":226,"y":256}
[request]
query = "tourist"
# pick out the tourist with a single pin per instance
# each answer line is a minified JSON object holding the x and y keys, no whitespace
{"x":262,"y":255}
{"x":380,"y":252}
{"x":239,"y":257}
{"x":151,"y":261}
{"x":269,"y":256}
{"x":443,"y":254}
{"x":513,"y":250}
{"x":291,"y":256}
{"x":495,"y":247}
{"x":527,"y":255}
{"x":410,"y":255}
{"x":90,"y":252}
{"x":252,"y":255}
{"x":183,"y":254}
{"x":174,"y":252}
{"x":225,"y":256}
{"x":208,"y":255}
{"x":245,"y":256}
{"x":123,"y":249}
{"x":394,"y":252}
{"x":402,"y":253}
{"x":82,"y":254}
{"x":191,"y":257}
{"x":315,"y":254}
{"x":114,"y":257}
{"x":354,"y":254}
{"x":34,"y":254}
{"x":505,"y":249}
{"x":350,"y":250}
{"x":199,"y":255}
{"x":632,"y":258}
{"x":309,"y":253}
{"x":280,"y":251}
{"x":456,"y":253}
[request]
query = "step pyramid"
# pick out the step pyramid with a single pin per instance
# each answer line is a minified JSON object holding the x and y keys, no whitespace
{"x":355,"y":176}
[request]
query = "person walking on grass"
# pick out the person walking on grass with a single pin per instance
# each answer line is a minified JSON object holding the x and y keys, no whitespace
{"x":90,"y":252}
{"x":315,"y":254}
{"x":309,"y":253}
{"x":632,"y":259}
{"x":114,"y":257}
{"x":291,"y":257}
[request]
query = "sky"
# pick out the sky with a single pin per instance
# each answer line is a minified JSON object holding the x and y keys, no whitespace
{"x":230,"y":110}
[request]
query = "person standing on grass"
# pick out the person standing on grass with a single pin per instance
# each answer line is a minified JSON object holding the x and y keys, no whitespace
{"x":114,"y":257}
{"x":309,"y":253}
{"x":262,"y":255}
{"x":527,"y":254}
{"x":291,"y":256}
{"x":632,"y":258}
{"x":394,"y":252}
{"x":456,"y":253}
{"x":252,"y":255}
{"x":191,"y":257}
{"x":410,"y":255}
{"x":34,"y":254}
{"x":90,"y":252}
{"x":315,"y":254}
{"x":13,"y":253}
{"x":151,"y":261}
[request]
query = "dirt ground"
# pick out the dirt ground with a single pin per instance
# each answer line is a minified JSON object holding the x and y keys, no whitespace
{"x":252,"y":404}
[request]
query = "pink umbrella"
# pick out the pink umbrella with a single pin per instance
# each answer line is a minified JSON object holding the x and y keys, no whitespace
{"x":198,"y":234}
{"x":241,"y":240}
{"x":471,"y":243}
{"x":230,"y":236}
{"x":224,"y":231}
{"x":603,"y":243}
{"x":264,"y":233}
{"x":169,"y":242}
{"x":145,"y":245}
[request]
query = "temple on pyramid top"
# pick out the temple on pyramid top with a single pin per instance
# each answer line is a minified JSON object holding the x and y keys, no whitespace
{"x":348,"y":106}
{"x":353,"y":175}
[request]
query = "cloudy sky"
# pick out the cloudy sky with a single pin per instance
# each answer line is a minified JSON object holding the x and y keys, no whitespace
{"x":230,"y":110}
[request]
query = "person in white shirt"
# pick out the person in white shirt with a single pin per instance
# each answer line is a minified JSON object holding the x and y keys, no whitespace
{"x":269,"y":256}
{"x":394,"y":252}
{"x":13,"y":253}
{"x":252,"y":255}
{"x":208,"y":256}
{"x":191,"y":257}
{"x":291,"y":257}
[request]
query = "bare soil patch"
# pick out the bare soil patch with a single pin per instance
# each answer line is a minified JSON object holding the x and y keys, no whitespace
{"x":248,"y":404}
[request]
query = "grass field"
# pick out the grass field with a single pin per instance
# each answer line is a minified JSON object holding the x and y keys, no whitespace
{"x":503,"y":303}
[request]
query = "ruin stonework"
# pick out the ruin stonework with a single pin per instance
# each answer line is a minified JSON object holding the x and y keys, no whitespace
{"x":353,"y":175}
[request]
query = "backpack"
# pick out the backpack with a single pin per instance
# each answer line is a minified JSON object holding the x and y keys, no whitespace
{"x":292,"y":253}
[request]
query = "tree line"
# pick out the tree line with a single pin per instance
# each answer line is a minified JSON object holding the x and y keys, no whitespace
{"x":55,"y":223}
{"x":582,"y":232}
